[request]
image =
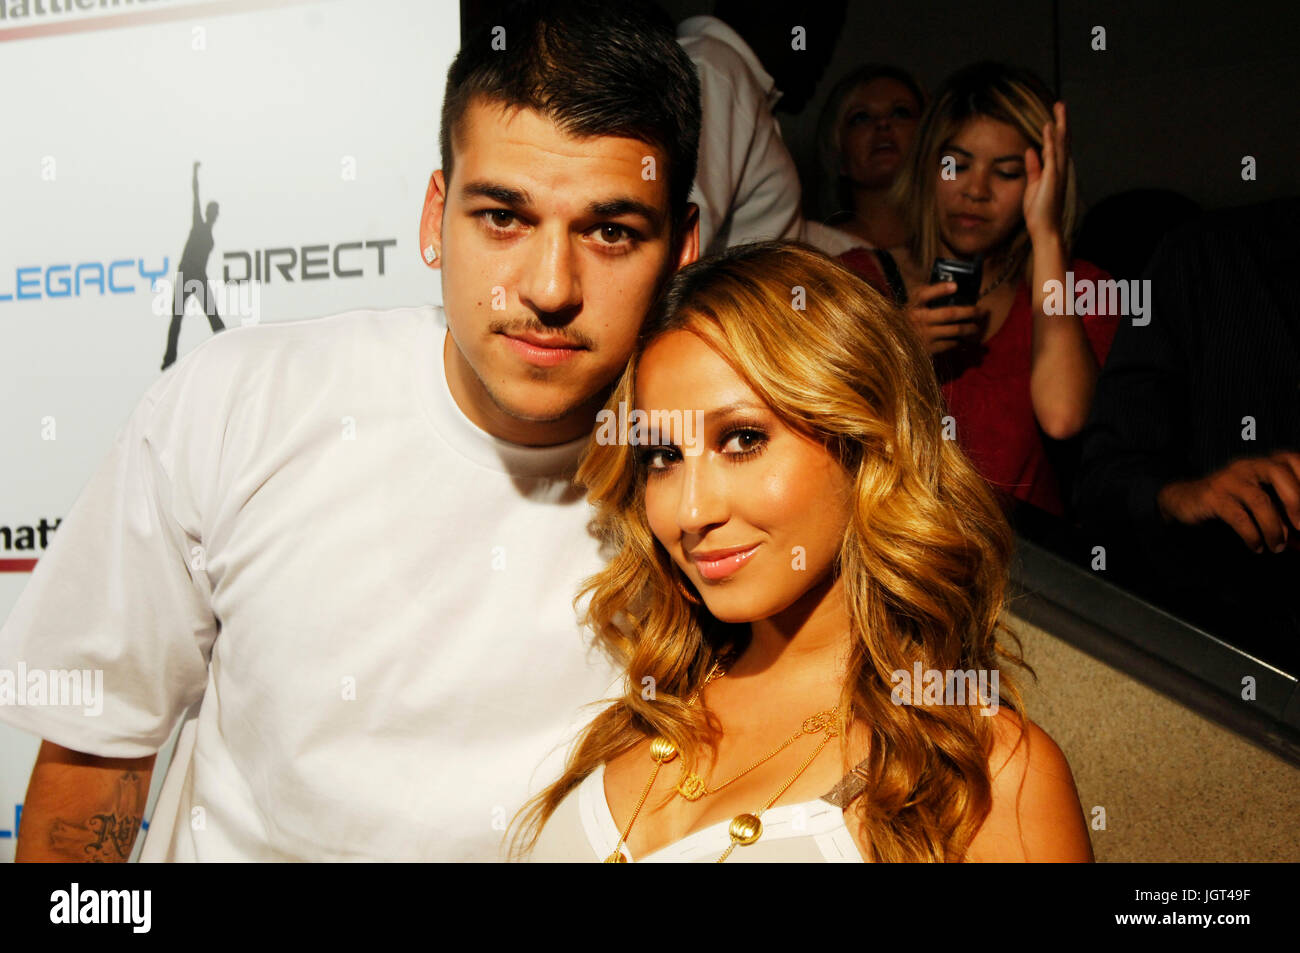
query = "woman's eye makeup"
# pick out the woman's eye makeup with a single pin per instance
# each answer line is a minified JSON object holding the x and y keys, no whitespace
{"x":736,"y":443}
{"x":657,"y":459}
{"x":743,"y":441}
{"x":1009,"y":174}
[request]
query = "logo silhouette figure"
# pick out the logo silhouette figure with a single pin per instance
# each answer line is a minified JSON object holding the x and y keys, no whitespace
{"x":192,"y":275}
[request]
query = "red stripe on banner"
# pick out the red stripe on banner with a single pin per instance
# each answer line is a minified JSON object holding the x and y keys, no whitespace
{"x":17,"y":565}
{"x":142,"y":17}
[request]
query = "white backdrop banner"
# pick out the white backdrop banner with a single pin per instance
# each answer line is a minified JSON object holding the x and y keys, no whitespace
{"x":272,"y":154}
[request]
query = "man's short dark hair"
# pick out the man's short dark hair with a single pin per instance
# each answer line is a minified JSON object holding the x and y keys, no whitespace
{"x":594,"y":68}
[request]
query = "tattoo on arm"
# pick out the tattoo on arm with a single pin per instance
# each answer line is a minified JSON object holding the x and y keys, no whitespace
{"x":106,"y":837}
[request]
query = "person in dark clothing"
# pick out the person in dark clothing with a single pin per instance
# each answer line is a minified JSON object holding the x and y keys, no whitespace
{"x":192,"y":274}
{"x":1193,"y":444}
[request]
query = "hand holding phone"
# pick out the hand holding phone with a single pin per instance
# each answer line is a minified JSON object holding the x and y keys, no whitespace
{"x":967,"y":275}
{"x":945,"y":312}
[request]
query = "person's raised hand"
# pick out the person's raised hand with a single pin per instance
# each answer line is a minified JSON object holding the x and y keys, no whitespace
{"x":1236,"y":495}
{"x":1044,"y":200}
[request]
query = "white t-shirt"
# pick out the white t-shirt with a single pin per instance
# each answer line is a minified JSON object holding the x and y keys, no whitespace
{"x":359,"y":602}
{"x":746,"y":183}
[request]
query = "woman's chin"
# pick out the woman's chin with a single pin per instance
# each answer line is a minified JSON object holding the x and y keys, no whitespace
{"x":736,"y":608}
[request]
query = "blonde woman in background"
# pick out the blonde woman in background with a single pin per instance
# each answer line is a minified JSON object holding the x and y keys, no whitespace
{"x":779,"y":575}
{"x":864,"y":136}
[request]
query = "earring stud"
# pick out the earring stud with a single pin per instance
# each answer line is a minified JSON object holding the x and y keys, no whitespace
{"x":429,"y":254}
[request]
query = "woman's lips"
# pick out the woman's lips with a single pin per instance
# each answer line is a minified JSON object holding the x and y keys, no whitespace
{"x":720,"y":563}
{"x":967,"y":221}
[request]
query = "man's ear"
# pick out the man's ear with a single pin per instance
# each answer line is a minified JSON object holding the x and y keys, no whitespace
{"x":435,"y":200}
{"x":690,"y":236}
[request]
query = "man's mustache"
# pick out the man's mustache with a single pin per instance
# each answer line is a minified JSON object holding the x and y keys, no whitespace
{"x":567,"y":336}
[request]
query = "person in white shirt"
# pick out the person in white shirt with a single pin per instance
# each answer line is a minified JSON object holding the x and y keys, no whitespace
{"x":747,"y":187}
{"x":342,"y":553}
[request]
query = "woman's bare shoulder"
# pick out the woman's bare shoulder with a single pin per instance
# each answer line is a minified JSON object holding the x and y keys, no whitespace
{"x":1035,"y":814}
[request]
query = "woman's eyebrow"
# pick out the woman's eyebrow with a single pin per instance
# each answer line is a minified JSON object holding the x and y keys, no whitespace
{"x":728,"y":409}
{"x":1013,"y":157}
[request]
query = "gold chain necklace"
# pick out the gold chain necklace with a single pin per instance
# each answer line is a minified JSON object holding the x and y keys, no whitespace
{"x":693,"y":787}
{"x":745,"y":829}
{"x":1016,"y":261}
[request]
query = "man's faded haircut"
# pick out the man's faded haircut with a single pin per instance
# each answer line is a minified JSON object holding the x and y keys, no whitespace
{"x":594,"y":68}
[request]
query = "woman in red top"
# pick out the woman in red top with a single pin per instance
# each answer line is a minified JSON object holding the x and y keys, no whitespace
{"x":991,"y":176}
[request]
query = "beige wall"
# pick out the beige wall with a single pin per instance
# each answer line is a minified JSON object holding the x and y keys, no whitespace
{"x":1175,"y":786}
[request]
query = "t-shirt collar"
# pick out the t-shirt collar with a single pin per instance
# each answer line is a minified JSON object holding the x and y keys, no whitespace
{"x":475,"y":443}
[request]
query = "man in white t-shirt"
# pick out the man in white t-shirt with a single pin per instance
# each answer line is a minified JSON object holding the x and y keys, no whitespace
{"x":342,"y":553}
{"x":753,"y":57}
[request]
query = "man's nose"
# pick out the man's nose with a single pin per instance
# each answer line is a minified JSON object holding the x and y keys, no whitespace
{"x":550,"y":282}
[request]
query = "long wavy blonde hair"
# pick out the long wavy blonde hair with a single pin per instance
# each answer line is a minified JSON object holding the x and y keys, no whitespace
{"x":923,"y":559}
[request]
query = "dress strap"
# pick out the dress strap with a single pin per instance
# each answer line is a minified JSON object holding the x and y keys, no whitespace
{"x":889,"y":268}
{"x":849,"y":787}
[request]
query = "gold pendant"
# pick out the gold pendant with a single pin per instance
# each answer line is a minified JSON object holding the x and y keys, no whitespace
{"x":822,"y":721}
{"x":691,"y":787}
{"x":745,"y":829}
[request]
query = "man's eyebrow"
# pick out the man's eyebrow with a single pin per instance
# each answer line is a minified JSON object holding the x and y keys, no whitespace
{"x":514,"y":198}
{"x":614,"y":208}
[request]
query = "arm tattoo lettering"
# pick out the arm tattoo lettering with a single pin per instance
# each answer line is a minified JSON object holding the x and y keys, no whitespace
{"x":106,"y":837}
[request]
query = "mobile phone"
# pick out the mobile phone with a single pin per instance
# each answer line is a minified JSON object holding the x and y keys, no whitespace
{"x":967,"y":274}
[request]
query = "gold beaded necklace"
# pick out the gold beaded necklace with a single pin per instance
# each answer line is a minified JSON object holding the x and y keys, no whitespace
{"x":745,"y":829}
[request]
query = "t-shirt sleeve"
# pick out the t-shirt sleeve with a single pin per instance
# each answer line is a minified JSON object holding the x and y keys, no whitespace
{"x":119,"y":603}
{"x":746,"y":183}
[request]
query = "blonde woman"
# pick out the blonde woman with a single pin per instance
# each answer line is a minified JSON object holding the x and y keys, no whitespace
{"x":864,"y":134}
{"x":795,"y":542}
{"x":990,"y":175}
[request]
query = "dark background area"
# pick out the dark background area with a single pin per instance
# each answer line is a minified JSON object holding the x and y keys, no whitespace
{"x":1182,"y":92}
